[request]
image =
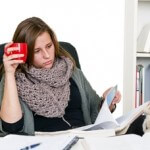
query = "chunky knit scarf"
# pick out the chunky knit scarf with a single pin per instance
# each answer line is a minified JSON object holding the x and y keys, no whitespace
{"x":46,"y":91}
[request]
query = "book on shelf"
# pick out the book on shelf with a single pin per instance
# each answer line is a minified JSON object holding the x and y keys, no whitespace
{"x":139,"y":93}
{"x":137,"y":88}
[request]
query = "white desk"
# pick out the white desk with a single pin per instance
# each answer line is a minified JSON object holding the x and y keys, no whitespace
{"x":48,"y":142}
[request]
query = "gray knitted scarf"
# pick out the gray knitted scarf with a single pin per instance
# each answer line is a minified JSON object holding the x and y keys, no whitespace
{"x":46,"y":91}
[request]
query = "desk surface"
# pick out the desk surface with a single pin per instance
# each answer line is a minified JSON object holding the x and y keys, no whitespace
{"x":123,"y":142}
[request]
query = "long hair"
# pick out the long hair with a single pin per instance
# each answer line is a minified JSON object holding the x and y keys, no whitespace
{"x":28,"y":31}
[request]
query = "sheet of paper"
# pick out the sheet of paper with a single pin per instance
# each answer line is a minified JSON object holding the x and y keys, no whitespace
{"x":105,"y":119}
{"x":124,"y":142}
{"x":105,"y":115}
{"x":81,"y":131}
{"x":18,"y":142}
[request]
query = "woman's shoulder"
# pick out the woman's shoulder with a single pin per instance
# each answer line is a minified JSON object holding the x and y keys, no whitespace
{"x":77,"y":72}
{"x":78,"y":75}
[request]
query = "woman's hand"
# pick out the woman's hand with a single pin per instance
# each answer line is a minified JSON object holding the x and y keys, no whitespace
{"x":116,"y":99}
{"x":11,"y":62}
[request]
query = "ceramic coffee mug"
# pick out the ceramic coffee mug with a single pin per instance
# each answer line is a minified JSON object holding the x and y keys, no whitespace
{"x":22,"y":49}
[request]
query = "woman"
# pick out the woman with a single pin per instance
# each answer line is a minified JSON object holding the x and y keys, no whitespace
{"x":48,"y":92}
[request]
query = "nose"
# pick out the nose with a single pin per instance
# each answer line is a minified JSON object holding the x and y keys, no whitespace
{"x":45,"y":54}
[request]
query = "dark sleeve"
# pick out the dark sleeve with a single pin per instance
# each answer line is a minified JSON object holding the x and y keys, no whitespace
{"x":92,"y":96}
{"x":136,"y":127}
{"x":13,"y":127}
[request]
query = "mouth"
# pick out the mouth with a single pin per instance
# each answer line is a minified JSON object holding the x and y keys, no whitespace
{"x":48,"y":62}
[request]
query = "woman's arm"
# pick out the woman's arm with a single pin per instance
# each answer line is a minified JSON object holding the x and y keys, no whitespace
{"x":10,"y":108}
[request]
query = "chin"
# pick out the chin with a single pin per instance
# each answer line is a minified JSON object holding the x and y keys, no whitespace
{"x":48,"y":66}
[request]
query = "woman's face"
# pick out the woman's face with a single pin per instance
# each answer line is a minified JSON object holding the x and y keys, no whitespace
{"x":44,"y":51}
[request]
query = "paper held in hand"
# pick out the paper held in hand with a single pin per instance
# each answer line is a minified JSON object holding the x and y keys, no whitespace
{"x":105,"y":114}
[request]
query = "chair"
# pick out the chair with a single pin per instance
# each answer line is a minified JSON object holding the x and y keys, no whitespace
{"x":1,"y":53}
{"x":71,"y":50}
{"x":67,"y":46}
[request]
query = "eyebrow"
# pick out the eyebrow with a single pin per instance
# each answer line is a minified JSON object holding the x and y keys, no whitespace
{"x":49,"y":43}
{"x":46,"y":45}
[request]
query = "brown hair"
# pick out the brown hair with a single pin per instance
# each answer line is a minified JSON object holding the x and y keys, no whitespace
{"x":28,"y":31}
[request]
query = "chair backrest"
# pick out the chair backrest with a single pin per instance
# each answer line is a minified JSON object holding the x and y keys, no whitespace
{"x":71,"y":50}
{"x":67,"y":46}
{"x":1,"y":52}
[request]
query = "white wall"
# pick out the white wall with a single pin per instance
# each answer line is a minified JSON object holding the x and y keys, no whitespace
{"x":94,"y":27}
{"x":143,"y":15}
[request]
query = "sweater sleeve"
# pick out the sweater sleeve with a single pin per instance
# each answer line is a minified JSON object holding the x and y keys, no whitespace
{"x":13,"y":127}
{"x":2,"y":133}
{"x":28,"y":120}
{"x":93,"y":98}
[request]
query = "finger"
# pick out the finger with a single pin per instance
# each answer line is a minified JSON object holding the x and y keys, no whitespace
{"x":10,"y":49}
{"x":4,"y":56}
{"x":8,"y":44}
{"x":12,"y":57}
{"x":13,"y":62}
{"x":116,"y":100}
{"x":118,"y":94}
{"x":106,"y":92}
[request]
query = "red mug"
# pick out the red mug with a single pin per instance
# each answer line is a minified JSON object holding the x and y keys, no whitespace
{"x":22,"y":50}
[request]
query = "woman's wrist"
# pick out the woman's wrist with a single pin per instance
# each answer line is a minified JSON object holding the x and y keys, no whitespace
{"x":113,"y":108}
{"x":9,"y":75}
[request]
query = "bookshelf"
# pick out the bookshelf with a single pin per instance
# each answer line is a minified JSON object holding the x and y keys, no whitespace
{"x":137,"y":14}
{"x":142,"y":55}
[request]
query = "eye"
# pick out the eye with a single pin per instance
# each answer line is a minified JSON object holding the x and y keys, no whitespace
{"x":36,"y":50}
{"x":49,"y":45}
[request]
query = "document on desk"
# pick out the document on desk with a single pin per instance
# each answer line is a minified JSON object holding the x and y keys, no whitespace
{"x":129,"y":141}
{"x":123,"y":142}
{"x":22,"y":142}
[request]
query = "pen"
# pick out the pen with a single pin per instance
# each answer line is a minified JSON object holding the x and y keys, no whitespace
{"x":30,"y":146}
{"x":71,"y":143}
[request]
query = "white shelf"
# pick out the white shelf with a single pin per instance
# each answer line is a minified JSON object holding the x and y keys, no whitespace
{"x":142,"y":54}
{"x":144,"y":0}
{"x":137,"y":15}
